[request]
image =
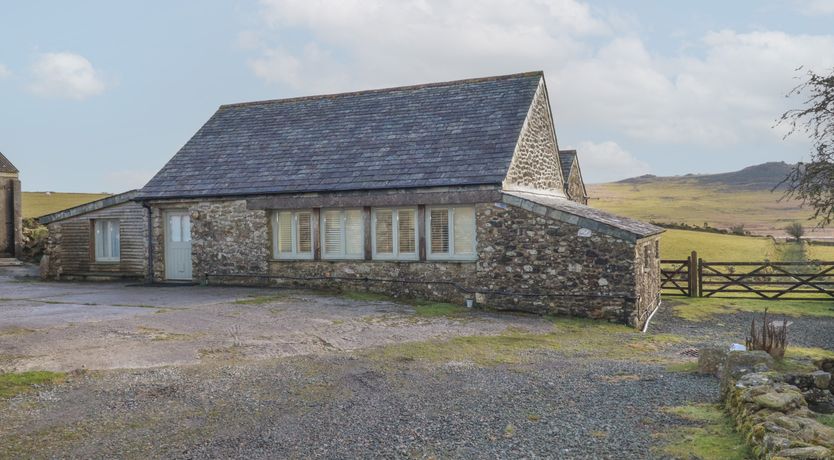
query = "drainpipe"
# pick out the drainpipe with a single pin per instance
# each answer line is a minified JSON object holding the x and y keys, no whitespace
{"x":150,"y":241}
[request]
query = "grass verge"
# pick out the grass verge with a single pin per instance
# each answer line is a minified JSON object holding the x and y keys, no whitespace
{"x":580,"y":337}
{"x":826,"y":420}
{"x":700,"y":309}
{"x":713,"y":438}
{"x":12,"y":384}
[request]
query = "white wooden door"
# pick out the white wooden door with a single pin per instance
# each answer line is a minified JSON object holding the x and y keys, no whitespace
{"x":177,"y":245}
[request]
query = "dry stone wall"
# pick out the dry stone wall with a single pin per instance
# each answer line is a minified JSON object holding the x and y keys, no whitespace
{"x":535,"y":164}
{"x":525,"y":262}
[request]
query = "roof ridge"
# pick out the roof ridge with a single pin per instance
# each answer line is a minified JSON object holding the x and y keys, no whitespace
{"x":384,"y":90}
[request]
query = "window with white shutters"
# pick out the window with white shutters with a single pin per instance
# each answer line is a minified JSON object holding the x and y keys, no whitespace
{"x":451,"y":233}
{"x":292,"y":235}
{"x":342,"y":234}
{"x":394,"y":234}
{"x":107,"y":240}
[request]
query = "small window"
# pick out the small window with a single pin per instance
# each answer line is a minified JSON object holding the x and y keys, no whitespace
{"x":292,"y":235}
{"x":342,"y":234}
{"x":395,"y":234}
{"x":451,"y":233}
{"x":107,"y":240}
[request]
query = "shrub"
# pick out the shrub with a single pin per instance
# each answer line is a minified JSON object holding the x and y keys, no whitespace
{"x":796,"y":230}
{"x":770,"y":337}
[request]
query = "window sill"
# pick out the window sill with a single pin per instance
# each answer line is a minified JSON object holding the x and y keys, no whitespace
{"x":109,"y":261}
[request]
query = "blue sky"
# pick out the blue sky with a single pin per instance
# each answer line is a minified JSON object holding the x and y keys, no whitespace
{"x":98,"y":95}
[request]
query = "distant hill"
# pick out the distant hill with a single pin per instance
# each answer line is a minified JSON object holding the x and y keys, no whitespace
{"x":765,"y":176}
{"x":720,"y":200}
{"x":36,"y":204}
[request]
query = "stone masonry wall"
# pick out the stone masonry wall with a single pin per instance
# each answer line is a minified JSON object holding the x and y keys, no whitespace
{"x":526,"y":262}
{"x":576,"y":188}
{"x":536,"y":161}
{"x":647,"y":275}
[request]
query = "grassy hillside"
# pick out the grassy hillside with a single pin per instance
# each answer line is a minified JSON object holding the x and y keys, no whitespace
{"x":678,"y":244}
{"x":36,"y":204}
{"x":721,"y":200}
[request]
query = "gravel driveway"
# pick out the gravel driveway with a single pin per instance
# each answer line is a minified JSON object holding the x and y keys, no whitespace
{"x":195,"y":372}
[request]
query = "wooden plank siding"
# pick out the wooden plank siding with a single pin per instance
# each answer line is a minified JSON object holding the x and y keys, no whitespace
{"x":76,"y":248}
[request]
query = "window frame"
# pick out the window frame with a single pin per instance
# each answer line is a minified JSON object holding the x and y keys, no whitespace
{"x":450,"y":254}
{"x":395,"y":234}
{"x":294,"y":254}
{"x":108,"y":244}
{"x":343,"y":255}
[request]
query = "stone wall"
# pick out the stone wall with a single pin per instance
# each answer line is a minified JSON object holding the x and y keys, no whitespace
{"x":535,"y":164}
{"x":647,"y":276}
{"x":576,"y":187}
{"x":525,"y":262}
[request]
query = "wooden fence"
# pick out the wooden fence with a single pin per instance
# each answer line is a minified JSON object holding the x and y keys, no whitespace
{"x":695,"y":277}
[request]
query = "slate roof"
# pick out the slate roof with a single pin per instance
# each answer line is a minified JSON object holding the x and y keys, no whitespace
{"x":106,"y":202}
{"x":442,"y":134}
{"x":566,"y":158}
{"x":571,"y":212}
{"x":6,"y":166}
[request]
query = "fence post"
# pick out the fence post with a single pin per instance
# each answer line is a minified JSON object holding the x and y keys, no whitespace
{"x":693,"y":274}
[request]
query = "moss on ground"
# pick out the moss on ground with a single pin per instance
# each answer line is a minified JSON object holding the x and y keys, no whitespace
{"x":685,"y":367}
{"x":714,"y":437}
{"x":700,"y":309}
{"x":826,"y":420}
{"x":15,"y":330}
{"x":575,"y":336}
{"x":12,"y":384}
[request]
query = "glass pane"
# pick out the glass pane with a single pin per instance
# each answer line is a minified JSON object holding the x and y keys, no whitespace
{"x":175,"y":228}
{"x":115,"y":239}
{"x":186,"y":228}
{"x":284,"y":229}
{"x":100,"y":246}
{"x":464,"y":230}
{"x":407,"y":235}
{"x":332,"y":227}
{"x":439,"y":231}
{"x":354,"y":233}
{"x":304,"y":232}
{"x":384,"y":232}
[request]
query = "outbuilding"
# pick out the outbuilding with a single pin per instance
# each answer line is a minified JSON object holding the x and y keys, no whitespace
{"x":452,"y":191}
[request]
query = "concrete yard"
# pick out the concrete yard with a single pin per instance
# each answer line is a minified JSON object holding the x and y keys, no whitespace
{"x":195,"y":372}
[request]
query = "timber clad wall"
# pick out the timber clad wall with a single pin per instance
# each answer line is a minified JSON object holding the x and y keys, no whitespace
{"x":70,"y":244}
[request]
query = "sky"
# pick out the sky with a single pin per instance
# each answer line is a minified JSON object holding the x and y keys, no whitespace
{"x":96,"y":96}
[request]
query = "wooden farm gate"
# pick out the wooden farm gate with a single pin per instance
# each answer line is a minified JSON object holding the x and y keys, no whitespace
{"x":694,"y":277}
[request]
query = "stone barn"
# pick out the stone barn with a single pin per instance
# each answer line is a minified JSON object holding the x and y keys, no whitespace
{"x":11,"y":227}
{"x":450,"y":191}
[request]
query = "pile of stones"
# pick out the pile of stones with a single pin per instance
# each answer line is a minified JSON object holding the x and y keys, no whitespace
{"x":776,"y":412}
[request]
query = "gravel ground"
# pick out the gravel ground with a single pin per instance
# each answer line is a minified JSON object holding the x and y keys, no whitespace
{"x":344,"y":406}
{"x":807,"y":331}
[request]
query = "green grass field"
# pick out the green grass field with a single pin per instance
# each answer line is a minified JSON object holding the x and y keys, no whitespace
{"x":36,"y":204}
{"x":686,"y":201}
{"x":678,"y":244}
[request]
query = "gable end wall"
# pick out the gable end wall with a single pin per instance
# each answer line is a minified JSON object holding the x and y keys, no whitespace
{"x":535,"y":164}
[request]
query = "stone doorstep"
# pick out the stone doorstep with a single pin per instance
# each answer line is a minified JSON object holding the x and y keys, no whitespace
{"x":10,"y":262}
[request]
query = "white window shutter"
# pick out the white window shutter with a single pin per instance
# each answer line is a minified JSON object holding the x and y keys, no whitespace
{"x":406,"y":226}
{"x":354,"y":233}
{"x":439,"y":231}
{"x":332,"y":232}
{"x":384,"y":231}
{"x":284,"y":225}
{"x":464,"y":225}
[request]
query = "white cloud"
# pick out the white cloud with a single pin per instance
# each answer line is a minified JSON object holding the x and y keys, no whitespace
{"x":122,"y":181}
{"x":4,"y":71}
{"x":816,"y":6}
{"x":724,"y":90}
{"x":65,"y":75}
{"x":607,"y":161}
